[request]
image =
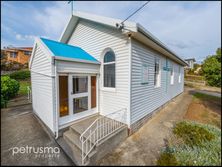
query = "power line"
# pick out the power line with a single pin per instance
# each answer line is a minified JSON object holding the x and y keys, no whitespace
{"x":135,"y":12}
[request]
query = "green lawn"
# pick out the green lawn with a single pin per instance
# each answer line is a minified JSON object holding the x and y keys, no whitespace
{"x":23,"y":87}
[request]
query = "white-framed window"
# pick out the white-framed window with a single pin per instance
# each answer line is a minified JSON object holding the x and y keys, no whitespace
{"x":13,"y":54}
{"x":109,"y":70}
{"x":179,"y":74}
{"x":171,"y":74}
{"x":28,"y":53}
{"x":157,"y":72}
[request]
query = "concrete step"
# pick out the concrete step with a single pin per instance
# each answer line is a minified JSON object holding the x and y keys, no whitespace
{"x":73,"y":140}
{"x":79,"y":128}
{"x":71,"y":152}
{"x":105,"y":145}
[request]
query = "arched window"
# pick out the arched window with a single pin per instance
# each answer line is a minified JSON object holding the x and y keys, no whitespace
{"x":109,"y":71}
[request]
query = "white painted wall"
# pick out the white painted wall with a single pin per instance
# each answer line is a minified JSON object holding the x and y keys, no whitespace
{"x":94,"y":38}
{"x":42,"y":88}
{"x":146,"y":98}
{"x":70,"y":66}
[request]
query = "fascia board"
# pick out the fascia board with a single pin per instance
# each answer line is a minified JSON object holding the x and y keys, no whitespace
{"x":45,"y":49}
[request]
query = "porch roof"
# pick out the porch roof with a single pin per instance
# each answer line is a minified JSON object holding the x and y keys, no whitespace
{"x":68,"y":51}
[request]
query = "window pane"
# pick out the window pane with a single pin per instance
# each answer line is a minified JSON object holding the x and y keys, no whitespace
{"x":156,"y":73}
{"x":109,"y":75}
{"x":109,"y":57}
{"x":63,"y":96}
{"x":15,"y":54}
{"x":80,"y":104}
{"x":11,"y":55}
{"x":80,"y":84}
{"x":93,"y":91}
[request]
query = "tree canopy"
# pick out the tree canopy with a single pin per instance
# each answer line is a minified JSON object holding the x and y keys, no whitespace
{"x":211,"y":69}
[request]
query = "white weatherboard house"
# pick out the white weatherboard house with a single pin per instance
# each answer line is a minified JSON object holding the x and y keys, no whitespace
{"x":99,"y":82}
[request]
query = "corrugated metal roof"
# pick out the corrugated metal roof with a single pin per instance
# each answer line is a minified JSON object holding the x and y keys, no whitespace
{"x":65,"y":50}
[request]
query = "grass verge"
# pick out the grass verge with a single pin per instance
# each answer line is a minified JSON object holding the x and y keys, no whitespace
{"x":23,"y":87}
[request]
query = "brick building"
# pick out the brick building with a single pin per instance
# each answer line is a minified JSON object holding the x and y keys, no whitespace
{"x":19,"y":54}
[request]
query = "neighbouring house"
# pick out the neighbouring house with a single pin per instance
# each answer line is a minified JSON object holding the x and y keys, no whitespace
{"x":190,"y":63}
{"x":99,"y":83}
{"x":19,"y":54}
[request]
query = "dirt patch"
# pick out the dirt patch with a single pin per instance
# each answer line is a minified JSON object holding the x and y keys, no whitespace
{"x":206,"y":110}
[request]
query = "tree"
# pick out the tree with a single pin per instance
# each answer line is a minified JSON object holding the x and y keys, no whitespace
{"x":195,"y":66}
{"x":211,"y":69}
{"x":3,"y":55}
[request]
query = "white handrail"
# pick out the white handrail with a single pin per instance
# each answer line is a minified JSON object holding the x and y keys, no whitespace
{"x":29,"y":94}
{"x":113,"y":122}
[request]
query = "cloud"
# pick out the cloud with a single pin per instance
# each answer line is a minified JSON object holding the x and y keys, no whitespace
{"x":27,"y":37}
{"x":181,"y":44}
{"x":5,"y":28}
{"x":19,"y":37}
{"x":53,"y":19}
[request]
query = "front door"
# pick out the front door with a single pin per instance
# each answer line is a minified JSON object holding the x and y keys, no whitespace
{"x":78,"y":96}
{"x":79,"y":92}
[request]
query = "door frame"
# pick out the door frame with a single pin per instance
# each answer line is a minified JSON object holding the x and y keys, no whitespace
{"x":74,"y":117}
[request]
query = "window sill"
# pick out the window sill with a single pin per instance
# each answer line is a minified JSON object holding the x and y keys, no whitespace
{"x":108,"y":89}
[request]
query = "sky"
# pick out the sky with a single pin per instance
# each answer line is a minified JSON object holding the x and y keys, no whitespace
{"x":192,"y":29}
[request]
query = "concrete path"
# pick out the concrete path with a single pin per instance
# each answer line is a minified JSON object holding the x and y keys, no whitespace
{"x":208,"y":92}
{"x":196,"y":83}
{"x":142,"y":147}
{"x":21,"y":128}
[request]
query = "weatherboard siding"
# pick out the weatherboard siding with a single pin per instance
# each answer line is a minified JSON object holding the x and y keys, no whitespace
{"x":42,"y":88}
{"x":70,"y":66}
{"x":94,"y":38}
{"x":145,"y":98}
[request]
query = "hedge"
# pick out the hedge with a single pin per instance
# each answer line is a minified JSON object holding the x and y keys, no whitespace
{"x":22,"y":74}
{"x":9,"y":88}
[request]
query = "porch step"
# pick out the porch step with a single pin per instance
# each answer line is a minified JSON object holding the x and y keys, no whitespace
{"x":80,"y":127}
{"x":72,"y":145}
{"x":73,"y":140}
{"x":71,"y":152}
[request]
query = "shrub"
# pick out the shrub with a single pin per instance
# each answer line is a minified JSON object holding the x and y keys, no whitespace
{"x":3,"y":102}
{"x":190,"y":71}
{"x":192,"y":154}
{"x":9,"y":87}
{"x":191,"y":85}
{"x":22,"y":74}
{"x":167,"y":159}
{"x":193,"y":134}
{"x":12,"y":65}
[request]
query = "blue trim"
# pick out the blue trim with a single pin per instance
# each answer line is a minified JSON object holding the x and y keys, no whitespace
{"x":141,"y":74}
{"x":167,"y":69}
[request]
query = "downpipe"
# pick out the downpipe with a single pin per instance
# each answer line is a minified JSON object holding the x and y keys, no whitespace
{"x":56,"y":106}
